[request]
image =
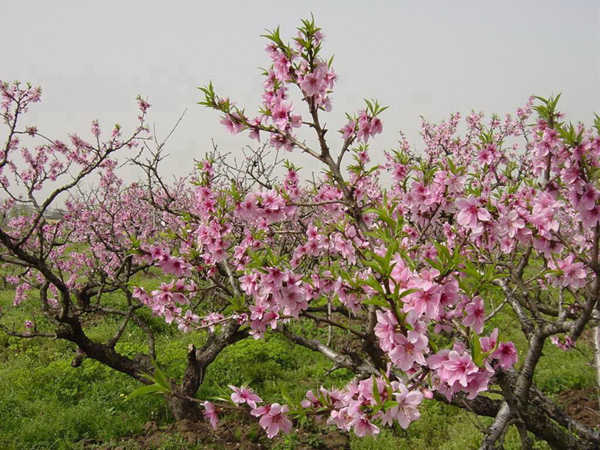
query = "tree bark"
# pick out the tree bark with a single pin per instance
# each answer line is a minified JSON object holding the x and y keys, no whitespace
{"x":181,"y":403}
{"x":539,"y":416}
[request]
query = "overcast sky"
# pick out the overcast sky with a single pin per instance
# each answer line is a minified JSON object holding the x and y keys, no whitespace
{"x":422,"y":58}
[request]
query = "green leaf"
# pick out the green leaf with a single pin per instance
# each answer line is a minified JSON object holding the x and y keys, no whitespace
{"x":237,"y":302}
{"x":389,"y":404}
{"x":159,"y":378}
{"x":145,"y":390}
{"x":434,"y":264}
{"x":377,"y":301}
{"x":597,"y":122}
{"x":376,"y":395}
{"x":478,"y":355}
{"x":373,"y":265}
{"x":373,"y":284}
{"x":407,"y":292}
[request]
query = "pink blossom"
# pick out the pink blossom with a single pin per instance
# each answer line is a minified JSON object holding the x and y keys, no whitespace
{"x":311,"y":84}
{"x":244,"y":395}
{"x":567,"y":345}
{"x":587,"y":201}
{"x":407,"y":411}
{"x":489,"y":343}
{"x":187,"y":322}
{"x":478,"y":382}
{"x":506,"y":354}
{"x":96,"y":128}
{"x":341,"y":419}
{"x":572,"y":273}
{"x":376,"y":127}
{"x":273,"y":419}
{"x":458,"y":368}
{"x":348,"y":129}
{"x":385,"y":329}
{"x":475,"y":315}
{"x":510,"y":224}
{"x":471,"y":213}
{"x":363,"y":427}
{"x":280,"y":114}
{"x":210,"y":413}
{"x":437,"y":361}
{"x":426,"y":301}
{"x":233,"y":125}
{"x":175,"y":266}
{"x":407,"y":352}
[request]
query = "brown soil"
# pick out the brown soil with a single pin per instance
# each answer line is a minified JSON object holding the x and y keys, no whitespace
{"x":582,"y":405}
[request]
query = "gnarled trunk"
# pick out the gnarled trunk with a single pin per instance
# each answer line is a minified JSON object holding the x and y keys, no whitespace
{"x":184,"y":409}
{"x":539,"y":416}
{"x":182,"y":403}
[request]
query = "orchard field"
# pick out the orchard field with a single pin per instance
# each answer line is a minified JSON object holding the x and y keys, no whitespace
{"x":50,"y":404}
{"x":443,"y":297}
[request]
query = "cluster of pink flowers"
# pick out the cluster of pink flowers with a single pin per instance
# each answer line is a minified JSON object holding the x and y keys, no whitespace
{"x":316,"y":84}
{"x":362,"y":403}
{"x":314,"y":77}
{"x":273,"y":417}
{"x":266,"y":207}
{"x":419,"y":257}
{"x":342,"y":244}
{"x":570,"y":273}
{"x":166,"y":301}
{"x":161,"y":257}
{"x":240,"y":251}
{"x":291,"y":185}
{"x":211,"y":239}
{"x":274,"y":292}
{"x":357,"y":407}
{"x":472,"y":213}
{"x":21,"y":290}
{"x":362,"y":128}
{"x":329,"y":195}
{"x":406,"y":343}
{"x":564,"y":344}
{"x":454,"y":370}
{"x":13,"y":92}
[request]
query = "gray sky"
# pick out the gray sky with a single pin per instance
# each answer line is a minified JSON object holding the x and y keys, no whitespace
{"x":422,"y":58}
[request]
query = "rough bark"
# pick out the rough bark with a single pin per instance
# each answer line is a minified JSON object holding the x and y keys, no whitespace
{"x":180,"y":403}
{"x":71,"y":330}
{"x":362,"y":369}
{"x":482,"y":406}
{"x":539,"y":416}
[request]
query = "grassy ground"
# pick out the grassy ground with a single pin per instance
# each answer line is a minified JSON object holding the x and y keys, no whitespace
{"x":47,"y":404}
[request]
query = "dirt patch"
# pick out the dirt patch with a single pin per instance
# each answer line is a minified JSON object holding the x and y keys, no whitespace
{"x":582,"y":405}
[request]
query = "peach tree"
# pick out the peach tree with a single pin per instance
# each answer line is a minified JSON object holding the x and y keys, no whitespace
{"x":501,"y":218}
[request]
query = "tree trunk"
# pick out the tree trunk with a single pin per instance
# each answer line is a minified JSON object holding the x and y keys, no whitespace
{"x":541,"y":417}
{"x":180,"y":403}
{"x":183,"y":409}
